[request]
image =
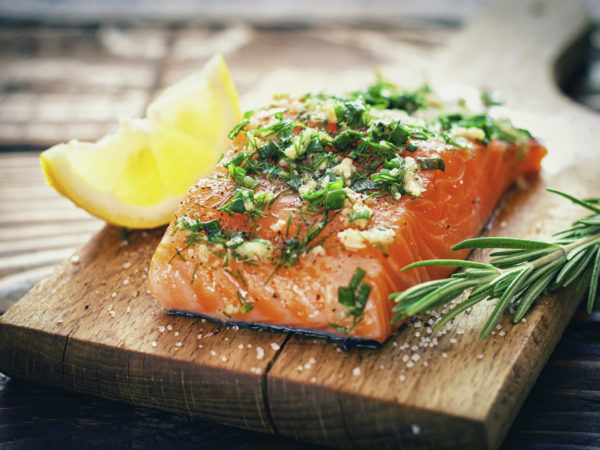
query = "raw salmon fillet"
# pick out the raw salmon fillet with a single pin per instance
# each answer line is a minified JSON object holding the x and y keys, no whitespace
{"x":334,"y":197}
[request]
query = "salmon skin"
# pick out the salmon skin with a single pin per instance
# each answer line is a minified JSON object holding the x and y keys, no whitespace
{"x":320,"y":202}
{"x":346,"y":342}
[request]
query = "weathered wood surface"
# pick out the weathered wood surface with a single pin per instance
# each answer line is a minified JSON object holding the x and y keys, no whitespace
{"x":93,"y":327}
{"x":350,"y":406}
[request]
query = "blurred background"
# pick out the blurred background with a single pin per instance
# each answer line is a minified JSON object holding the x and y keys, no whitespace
{"x":69,"y":69}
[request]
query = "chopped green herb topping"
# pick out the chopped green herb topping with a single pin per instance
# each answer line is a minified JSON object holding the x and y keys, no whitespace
{"x":435,"y":163}
{"x":331,"y":152}
{"x":354,"y":297}
{"x":391,"y":178}
{"x":387,"y":96}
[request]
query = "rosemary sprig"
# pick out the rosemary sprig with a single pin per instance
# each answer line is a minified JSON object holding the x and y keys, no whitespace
{"x":516,"y":276}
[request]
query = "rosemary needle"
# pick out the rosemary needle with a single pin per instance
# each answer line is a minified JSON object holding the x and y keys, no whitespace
{"x":516,"y":276}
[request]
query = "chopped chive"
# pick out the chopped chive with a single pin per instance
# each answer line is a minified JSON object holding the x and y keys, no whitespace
{"x":194,"y":273}
{"x":434,"y":163}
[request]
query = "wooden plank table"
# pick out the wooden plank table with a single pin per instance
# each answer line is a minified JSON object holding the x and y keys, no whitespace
{"x":38,"y":228}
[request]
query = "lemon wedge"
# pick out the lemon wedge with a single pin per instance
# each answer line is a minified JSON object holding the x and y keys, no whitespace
{"x":136,"y":177}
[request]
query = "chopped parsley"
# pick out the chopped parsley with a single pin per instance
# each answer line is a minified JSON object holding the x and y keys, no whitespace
{"x":354,"y":298}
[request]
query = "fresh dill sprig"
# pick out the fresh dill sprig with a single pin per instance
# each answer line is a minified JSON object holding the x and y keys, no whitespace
{"x":517,"y":275}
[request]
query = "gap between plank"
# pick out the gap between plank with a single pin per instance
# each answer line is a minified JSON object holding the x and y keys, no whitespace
{"x":264,"y":385}
{"x":65,"y":353}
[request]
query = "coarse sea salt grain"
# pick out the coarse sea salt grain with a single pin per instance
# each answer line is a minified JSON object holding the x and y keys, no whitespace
{"x":126,"y":281}
{"x":154,"y":343}
{"x":275,"y":346}
{"x":356,"y":371}
{"x":126,"y":265}
{"x":161,"y":329}
{"x":178,"y":344}
{"x":260,"y":353}
{"x":416,"y":429}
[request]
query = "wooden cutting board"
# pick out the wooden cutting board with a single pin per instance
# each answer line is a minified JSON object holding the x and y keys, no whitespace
{"x":93,"y":327}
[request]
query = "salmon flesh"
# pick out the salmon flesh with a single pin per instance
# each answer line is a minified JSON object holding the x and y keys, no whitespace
{"x":320,"y":201}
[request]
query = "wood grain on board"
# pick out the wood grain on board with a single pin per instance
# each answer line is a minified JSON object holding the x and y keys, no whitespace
{"x":93,"y":327}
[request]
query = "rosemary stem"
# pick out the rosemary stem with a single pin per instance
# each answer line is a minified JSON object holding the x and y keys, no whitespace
{"x":523,"y":272}
{"x":564,"y":250}
{"x":581,"y":242}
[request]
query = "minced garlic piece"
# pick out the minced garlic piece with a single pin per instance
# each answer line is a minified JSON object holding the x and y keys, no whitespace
{"x":354,"y":203}
{"x":352,"y":239}
{"x":278,"y":226}
{"x":307,"y":186}
{"x":232,"y":308}
{"x":295,"y":107}
{"x":413,"y":183}
{"x":356,"y":240}
{"x":258,"y":248}
{"x":379,"y":235}
{"x":317,"y":251}
{"x":328,"y":109}
{"x":471,"y":132}
{"x":203,"y":253}
{"x":292,"y":151}
{"x":248,"y":205}
{"x":344,"y":169}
